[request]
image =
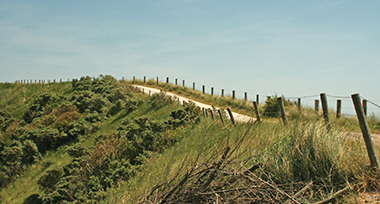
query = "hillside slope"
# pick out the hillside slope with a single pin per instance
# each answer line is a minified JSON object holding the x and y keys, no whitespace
{"x":100,"y":140}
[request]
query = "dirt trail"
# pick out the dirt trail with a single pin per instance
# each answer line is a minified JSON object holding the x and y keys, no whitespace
{"x":237,"y":116}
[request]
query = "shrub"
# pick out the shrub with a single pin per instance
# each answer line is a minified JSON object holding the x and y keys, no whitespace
{"x":158,"y":100}
{"x":43,"y":104}
{"x":33,"y":199}
{"x":189,"y":114}
{"x":30,"y":152}
{"x":132,"y":104}
{"x":44,"y":138}
{"x":77,"y":150}
{"x":10,"y":161}
{"x":49,"y":180}
{"x":5,"y":119}
{"x":87,"y":101}
{"x":271,"y":108}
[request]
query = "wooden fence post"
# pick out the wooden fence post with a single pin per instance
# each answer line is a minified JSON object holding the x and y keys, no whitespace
{"x":256,"y":110}
{"x":257,"y":98}
{"x":365,"y":106}
{"x":338,"y":108}
{"x":212,"y":91}
{"x":176,"y":81}
{"x":206,"y":112}
{"x":221,"y":116}
{"x":365,"y":131}
{"x":157,"y":79}
{"x":144,"y":79}
{"x":183,"y":83}
{"x":203,"y":110}
{"x":231,"y":116}
{"x":134,"y":79}
{"x":167,"y":80}
{"x":212,"y":114}
{"x":203,"y":89}
{"x":299,"y":103}
{"x":193,"y":85}
{"x":245,"y":96}
{"x":222,"y":92}
{"x":325,"y":110}
{"x":316,"y":106}
{"x":282,"y":110}
{"x":233,"y":94}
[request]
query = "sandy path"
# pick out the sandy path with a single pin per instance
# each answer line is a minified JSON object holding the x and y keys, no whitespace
{"x":237,"y":116}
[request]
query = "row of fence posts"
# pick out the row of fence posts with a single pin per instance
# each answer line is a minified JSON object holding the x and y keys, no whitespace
{"x":203,"y":88}
{"x":360,"y":108}
{"x":39,"y":81}
{"x":206,"y":111}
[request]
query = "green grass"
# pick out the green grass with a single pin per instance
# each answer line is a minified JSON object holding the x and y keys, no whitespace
{"x":15,"y":98}
{"x":301,"y":151}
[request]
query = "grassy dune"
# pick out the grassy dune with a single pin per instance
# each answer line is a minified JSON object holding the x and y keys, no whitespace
{"x":262,"y":162}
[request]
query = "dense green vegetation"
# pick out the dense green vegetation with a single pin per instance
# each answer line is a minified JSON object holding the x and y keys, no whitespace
{"x":100,"y":140}
{"x":70,"y":123}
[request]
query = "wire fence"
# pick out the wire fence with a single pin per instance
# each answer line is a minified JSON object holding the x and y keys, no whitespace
{"x":225,"y":92}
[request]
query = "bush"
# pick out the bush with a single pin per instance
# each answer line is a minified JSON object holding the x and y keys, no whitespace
{"x":33,"y":199}
{"x":271,"y":108}
{"x":186,"y":115}
{"x":77,"y":150}
{"x":158,"y":100}
{"x":49,"y":180}
{"x":5,"y":119}
{"x":11,"y":158}
{"x":30,"y":152}
{"x":87,"y":101}
{"x":44,"y":138}
{"x":43,"y":105}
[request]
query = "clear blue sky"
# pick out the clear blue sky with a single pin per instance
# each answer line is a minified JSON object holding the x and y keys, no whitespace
{"x":290,"y":48}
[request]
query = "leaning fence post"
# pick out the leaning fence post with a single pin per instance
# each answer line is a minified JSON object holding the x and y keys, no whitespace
{"x":212,"y":114}
{"x":316,"y":106}
{"x":365,"y":131}
{"x":338,"y":108}
{"x":299,"y":103}
{"x":365,"y":106}
{"x":231,"y":116}
{"x":256,"y":110}
{"x":325,"y":110}
{"x":221,"y":116}
{"x":282,"y":110}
